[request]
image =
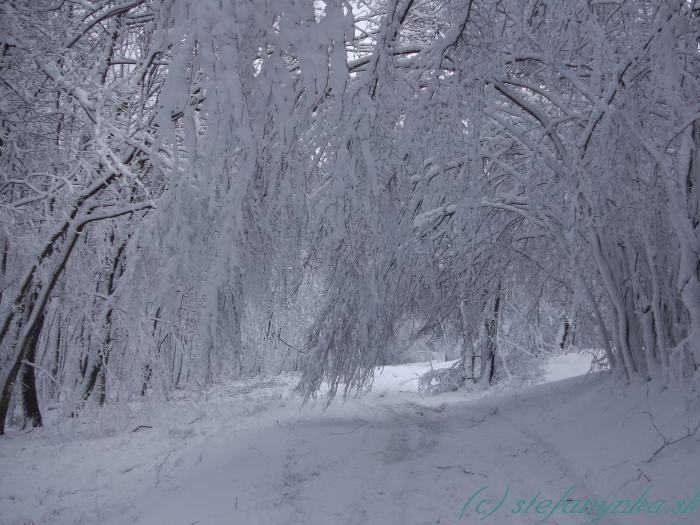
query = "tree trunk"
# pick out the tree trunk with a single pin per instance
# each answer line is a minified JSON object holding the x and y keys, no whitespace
{"x":468,"y":356}
{"x":490,"y":345}
{"x":30,"y":399}
{"x":564,"y":331}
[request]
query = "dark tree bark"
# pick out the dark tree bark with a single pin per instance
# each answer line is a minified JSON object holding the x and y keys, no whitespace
{"x":96,"y":379}
{"x":488,"y":356}
{"x":566,"y":329}
{"x":33,"y":308}
{"x":30,"y":399}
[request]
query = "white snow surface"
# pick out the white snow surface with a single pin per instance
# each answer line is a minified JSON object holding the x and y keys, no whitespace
{"x":248,"y":453}
{"x":568,"y":365}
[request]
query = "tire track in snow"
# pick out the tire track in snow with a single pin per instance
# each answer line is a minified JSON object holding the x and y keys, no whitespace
{"x":548,"y":448}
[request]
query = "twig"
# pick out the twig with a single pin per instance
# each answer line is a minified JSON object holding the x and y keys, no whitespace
{"x":666,"y":441}
{"x":129,"y":469}
{"x":140,"y":427}
{"x":469,"y":473}
{"x":290,"y":346}
{"x":159,"y":467}
{"x":362,"y":424}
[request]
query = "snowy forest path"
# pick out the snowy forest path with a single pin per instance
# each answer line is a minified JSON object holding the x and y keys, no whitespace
{"x":254,"y":456}
{"x":370,"y":461}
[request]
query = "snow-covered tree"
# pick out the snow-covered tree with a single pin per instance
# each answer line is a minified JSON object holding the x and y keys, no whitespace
{"x":193,"y":189}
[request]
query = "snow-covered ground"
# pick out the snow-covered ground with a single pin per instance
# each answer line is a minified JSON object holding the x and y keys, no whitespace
{"x":567,"y":365}
{"x":248,"y":454}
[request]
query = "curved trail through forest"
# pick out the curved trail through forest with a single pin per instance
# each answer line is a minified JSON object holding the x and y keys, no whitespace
{"x":247,"y":453}
{"x":388,"y":460}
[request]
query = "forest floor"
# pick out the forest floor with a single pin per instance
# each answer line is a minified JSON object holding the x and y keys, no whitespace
{"x":248,"y":454}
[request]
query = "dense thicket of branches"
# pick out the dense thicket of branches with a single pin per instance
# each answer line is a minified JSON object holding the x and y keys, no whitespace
{"x":193,"y":189}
